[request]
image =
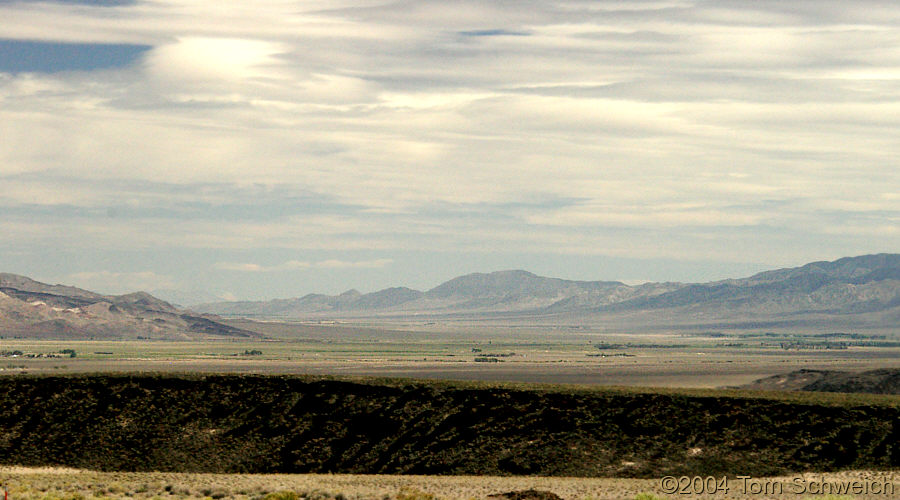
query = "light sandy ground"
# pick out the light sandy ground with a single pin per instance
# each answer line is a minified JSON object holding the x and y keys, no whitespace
{"x":53,"y":483}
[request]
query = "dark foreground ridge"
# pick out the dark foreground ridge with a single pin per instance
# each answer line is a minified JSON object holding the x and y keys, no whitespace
{"x":882,"y":381}
{"x":306,"y":424}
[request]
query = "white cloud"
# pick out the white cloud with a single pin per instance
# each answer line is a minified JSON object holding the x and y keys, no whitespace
{"x":202,"y":60}
{"x":411,"y":127}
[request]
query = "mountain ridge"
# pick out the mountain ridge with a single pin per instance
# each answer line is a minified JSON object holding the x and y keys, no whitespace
{"x":860,"y":292}
{"x":850,"y":287}
{"x":31,"y":309}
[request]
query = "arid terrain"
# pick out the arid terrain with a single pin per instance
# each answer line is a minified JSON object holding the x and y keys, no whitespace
{"x":69,"y":484}
{"x":132,"y":383}
{"x":521,"y":355}
{"x":854,"y":294}
{"x":449,"y":249}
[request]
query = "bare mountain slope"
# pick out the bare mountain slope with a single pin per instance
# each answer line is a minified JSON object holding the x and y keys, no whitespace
{"x":854,"y":291}
{"x":869,"y":283}
{"x":30,"y":309}
{"x":498,"y":292}
{"x":25,"y":284}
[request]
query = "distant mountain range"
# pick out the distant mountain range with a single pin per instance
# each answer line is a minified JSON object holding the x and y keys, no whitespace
{"x":853,"y":293}
{"x":498,"y":292}
{"x":859,"y":292}
{"x":501,"y":291}
{"x":31,"y":309}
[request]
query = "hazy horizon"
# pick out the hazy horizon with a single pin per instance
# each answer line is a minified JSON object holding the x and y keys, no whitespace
{"x":194,"y":296}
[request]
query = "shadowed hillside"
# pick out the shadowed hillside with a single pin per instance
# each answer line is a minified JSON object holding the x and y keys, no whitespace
{"x":305,"y":424}
{"x":884,"y":381}
{"x":30,"y":309}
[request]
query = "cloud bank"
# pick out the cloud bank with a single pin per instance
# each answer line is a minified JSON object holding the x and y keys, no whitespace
{"x":727,"y":131}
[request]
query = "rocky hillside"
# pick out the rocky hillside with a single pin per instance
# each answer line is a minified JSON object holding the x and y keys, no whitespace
{"x":306,"y":424}
{"x":30,"y":309}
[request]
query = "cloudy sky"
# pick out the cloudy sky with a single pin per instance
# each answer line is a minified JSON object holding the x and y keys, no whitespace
{"x":280,"y":147}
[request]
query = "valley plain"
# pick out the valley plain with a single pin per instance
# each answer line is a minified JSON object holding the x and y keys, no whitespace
{"x":519,"y":355}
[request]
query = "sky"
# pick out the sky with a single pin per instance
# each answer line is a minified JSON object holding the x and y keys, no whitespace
{"x":253,"y":150}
